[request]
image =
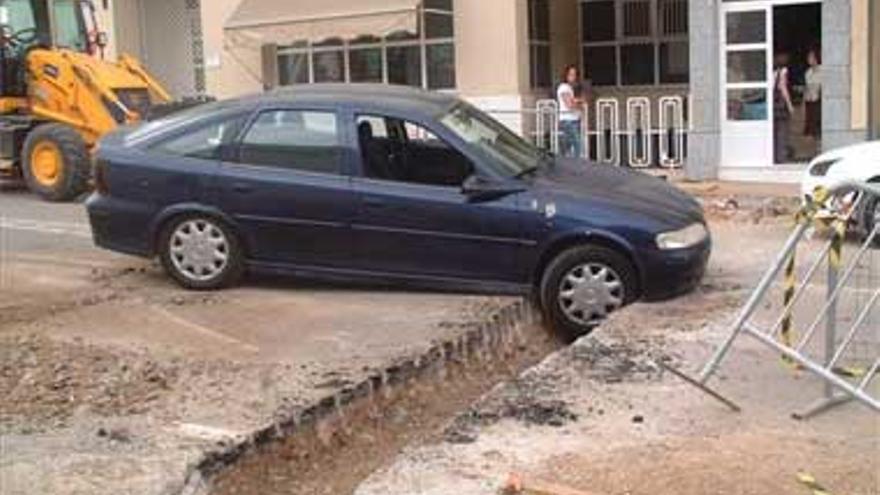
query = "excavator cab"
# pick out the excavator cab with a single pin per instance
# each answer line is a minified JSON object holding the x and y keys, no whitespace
{"x":28,"y":24}
{"x":58,"y":95}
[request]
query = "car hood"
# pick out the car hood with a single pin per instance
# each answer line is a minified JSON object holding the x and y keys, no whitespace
{"x":618,"y":187}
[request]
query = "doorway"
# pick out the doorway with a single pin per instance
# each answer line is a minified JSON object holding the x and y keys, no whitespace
{"x":797,"y":46}
{"x":763,"y":125}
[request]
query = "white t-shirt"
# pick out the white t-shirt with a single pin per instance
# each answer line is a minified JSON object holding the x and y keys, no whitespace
{"x":566,"y":112}
{"x":813,"y":90}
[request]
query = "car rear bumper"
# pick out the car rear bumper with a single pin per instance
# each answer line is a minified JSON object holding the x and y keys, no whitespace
{"x":119,"y":227}
{"x":667,"y":274}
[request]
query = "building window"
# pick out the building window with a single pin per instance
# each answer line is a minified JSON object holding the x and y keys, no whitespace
{"x":635,"y":42}
{"x":539,"y":44}
{"x":328,"y":61}
{"x":365,"y":60}
{"x":425,"y":59}
{"x":405,"y":65}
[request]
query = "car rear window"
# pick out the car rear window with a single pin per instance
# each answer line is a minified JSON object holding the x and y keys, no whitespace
{"x":202,"y":140}
{"x":293,"y":139}
{"x":182,"y":118}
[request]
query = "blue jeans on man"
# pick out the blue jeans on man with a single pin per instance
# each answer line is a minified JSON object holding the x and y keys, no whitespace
{"x":570,"y":139}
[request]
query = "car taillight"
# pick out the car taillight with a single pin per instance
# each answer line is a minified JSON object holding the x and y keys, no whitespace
{"x":100,"y":176}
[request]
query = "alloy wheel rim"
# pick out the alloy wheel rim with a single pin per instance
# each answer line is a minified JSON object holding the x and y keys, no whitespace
{"x":199,"y":250}
{"x":589,"y":292}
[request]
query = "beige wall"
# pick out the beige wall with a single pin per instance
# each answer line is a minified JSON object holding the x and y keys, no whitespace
{"x":225,"y":74}
{"x":859,"y":64}
{"x":564,"y":34}
{"x":225,"y":77}
{"x":491,"y":47}
{"x":491,"y":39}
{"x":126,"y":29}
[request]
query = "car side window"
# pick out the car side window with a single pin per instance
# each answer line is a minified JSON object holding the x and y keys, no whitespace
{"x":294,"y":139}
{"x":404,"y":151}
{"x":417,"y":134}
{"x":203,"y":141}
{"x":378,"y":127}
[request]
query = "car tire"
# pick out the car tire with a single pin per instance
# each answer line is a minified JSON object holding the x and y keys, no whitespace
{"x":584,"y":284}
{"x":55,"y":162}
{"x":201,"y":253}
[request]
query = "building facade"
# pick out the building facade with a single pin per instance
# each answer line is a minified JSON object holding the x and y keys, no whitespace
{"x":715,"y":62}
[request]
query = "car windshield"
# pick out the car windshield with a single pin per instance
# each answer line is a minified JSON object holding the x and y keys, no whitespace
{"x":509,"y":154}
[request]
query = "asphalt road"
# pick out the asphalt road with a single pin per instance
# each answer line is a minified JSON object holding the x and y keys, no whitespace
{"x":29,"y":224}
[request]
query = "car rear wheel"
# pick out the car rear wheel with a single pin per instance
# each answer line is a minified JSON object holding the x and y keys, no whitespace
{"x":583,"y":285}
{"x":201,"y":253}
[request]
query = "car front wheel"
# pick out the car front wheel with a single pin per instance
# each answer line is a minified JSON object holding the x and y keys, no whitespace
{"x":583,"y":285}
{"x":201,"y":253}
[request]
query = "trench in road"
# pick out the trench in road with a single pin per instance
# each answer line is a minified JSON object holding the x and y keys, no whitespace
{"x":336,"y":444}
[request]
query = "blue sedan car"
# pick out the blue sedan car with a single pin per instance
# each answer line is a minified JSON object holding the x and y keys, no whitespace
{"x":391,"y":184}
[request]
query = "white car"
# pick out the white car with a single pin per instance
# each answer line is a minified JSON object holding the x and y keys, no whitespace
{"x":860,"y":162}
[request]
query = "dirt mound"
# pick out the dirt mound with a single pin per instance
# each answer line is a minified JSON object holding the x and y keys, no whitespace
{"x":44,"y":383}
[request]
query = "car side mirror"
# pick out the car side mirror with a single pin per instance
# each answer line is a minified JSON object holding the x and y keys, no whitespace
{"x":480,"y":189}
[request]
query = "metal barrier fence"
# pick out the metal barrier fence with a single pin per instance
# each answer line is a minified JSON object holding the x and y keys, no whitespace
{"x":650,"y":132}
{"x":824,"y":315}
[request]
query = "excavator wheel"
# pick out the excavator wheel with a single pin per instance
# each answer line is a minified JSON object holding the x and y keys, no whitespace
{"x":55,"y":162}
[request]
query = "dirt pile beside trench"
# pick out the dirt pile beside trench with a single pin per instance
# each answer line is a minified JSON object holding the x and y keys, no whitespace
{"x":45,"y":383}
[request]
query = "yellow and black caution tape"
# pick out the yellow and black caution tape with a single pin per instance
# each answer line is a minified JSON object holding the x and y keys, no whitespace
{"x":786,"y":332}
{"x":807,"y":214}
{"x":838,"y":235}
{"x":810,"y":482}
{"x":850,"y":371}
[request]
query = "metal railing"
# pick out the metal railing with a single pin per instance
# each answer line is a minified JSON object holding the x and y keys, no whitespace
{"x":649,"y":132}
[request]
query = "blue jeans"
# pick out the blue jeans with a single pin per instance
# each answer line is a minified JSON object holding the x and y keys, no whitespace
{"x":570,"y":139}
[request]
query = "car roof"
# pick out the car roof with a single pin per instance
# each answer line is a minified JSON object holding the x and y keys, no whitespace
{"x":404,"y":99}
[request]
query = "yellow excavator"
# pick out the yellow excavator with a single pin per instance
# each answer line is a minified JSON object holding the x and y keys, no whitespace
{"x":58,"y":95}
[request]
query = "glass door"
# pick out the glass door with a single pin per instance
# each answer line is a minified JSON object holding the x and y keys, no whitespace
{"x":747,"y":82}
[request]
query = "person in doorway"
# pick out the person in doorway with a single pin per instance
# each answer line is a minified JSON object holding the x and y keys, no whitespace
{"x":783,"y":109}
{"x":813,"y":95}
{"x":571,"y":138}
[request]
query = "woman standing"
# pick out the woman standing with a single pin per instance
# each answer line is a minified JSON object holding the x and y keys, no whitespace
{"x":570,"y":142}
{"x":813,"y":95}
{"x":782,"y":109}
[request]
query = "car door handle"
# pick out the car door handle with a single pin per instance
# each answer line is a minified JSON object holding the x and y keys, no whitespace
{"x":241,"y":188}
{"x":374,"y":203}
